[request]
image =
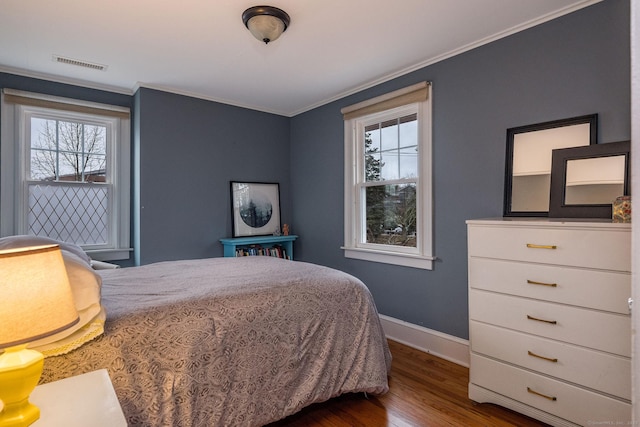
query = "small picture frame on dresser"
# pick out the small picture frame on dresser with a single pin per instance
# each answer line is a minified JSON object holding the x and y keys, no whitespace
{"x":585,"y":181}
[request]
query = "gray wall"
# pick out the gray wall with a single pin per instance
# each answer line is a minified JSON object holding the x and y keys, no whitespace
{"x":189,"y":150}
{"x":575,"y":65}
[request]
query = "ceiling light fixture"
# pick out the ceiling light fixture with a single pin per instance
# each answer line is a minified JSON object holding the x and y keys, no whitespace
{"x":266,"y":23}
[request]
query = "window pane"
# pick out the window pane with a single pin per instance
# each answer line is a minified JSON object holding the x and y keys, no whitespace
{"x":409,"y":162}
{"x":95,"y":168}
{"x":390,"y":165}
{"x":408,"y":131}
{"x":69,"y":164}
{"x":389,"y":135}
{"x":95,"y":139}
{"x":396,"y":142}
{"x":372,"y":161}
{"x":77,"y":151}
{"x":43,"y":133}
{"x":372,"y":135}
{"x":43,"y":165}
{"x":72,"y":213}
{"x":391,"y":214}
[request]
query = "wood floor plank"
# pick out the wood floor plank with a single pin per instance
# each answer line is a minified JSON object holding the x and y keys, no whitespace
{"x":424,"y":391}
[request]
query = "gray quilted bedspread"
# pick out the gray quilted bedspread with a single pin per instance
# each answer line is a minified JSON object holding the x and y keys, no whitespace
{"x":231,"y":341}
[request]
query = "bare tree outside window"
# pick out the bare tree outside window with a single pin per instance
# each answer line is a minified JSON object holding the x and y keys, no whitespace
{"x":68,"y":189}
{"x":71,"y":169}
{"x":67,"y":151}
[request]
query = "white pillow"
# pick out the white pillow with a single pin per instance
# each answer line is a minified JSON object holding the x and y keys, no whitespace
{"x":21,"y":241}
{"x":85,"y":286}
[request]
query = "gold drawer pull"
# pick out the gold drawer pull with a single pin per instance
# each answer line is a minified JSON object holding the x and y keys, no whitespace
{"x":553,"y":398}
{"x":552,"y":322}
{"x":554,"y":360}
{"x":533,"y":282}
{"x":532,"y":246}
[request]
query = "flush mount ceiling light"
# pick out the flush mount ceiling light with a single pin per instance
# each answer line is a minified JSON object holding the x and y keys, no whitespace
{"x":266,"y":23}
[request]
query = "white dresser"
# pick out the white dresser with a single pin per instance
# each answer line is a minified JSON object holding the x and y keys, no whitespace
{"x":549,"y":323}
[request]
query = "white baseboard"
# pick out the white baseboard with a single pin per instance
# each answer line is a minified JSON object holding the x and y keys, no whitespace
{"x":448,"y":347}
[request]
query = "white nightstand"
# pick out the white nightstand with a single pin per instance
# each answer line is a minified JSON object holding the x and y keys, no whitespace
{"x":84,"y":400}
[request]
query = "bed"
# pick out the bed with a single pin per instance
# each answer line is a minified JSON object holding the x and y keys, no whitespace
{"x":231,"y":341}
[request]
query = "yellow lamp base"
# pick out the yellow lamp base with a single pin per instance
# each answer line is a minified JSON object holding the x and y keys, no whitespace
{"x":20,"y":370}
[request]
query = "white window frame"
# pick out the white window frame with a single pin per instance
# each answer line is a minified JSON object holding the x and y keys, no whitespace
{"x":14,"y":165}
{"x":355,"y":245}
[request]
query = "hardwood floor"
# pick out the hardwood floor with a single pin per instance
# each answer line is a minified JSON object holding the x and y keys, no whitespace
{"x":424,"y":390}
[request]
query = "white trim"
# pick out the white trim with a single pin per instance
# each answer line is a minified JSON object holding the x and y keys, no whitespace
{"x":110,"y":254}
{"x":422,"y":255}
{"x":635,"y":213}
{"x":14,"y":159}
{"x":445,"y":346}
{"x":8,"y":165}
{"x":122,"y":182}
{"x":402,"y":259}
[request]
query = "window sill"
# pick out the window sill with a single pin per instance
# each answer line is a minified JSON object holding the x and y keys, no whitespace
{"x":110,"y":254}
{"x":405,"y":260}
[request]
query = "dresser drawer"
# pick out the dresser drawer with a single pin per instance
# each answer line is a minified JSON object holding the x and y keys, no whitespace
{"x":598,"y":330}
{"x":602,"y":290}
{"x":594,"y":369}
{"x":597,"y":248}
{"x":564,"y":400}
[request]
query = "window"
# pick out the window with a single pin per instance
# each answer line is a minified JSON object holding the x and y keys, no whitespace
{"x":65,"y":172}
{"x":388,"y":206}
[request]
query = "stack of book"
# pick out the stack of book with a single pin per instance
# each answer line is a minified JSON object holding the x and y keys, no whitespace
{"x":257,"y":250}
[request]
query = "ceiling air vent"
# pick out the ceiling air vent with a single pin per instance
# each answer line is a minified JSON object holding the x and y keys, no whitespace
{"x":77,"y":62}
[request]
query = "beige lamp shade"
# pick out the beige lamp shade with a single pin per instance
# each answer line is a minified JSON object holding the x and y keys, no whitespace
{"x":35,"y":295}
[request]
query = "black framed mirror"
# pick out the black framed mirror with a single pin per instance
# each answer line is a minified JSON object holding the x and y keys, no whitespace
{"x":527,"y":188}
{"x":586,"y":180}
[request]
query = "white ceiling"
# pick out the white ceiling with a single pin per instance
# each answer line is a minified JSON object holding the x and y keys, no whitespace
{"x":201,"y":48}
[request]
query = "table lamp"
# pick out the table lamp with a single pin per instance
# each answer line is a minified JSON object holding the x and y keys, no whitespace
{"x":35,"y":302}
